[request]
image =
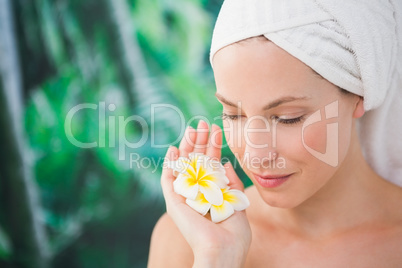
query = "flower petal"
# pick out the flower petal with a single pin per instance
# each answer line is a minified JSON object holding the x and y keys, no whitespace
{"x":186,"y":186}
{"x":217,"y":166}
{"x":194,"y":155}
{"x":201,"y":165}
{"x":172,"y":165}
{"x":236,"y":198}
{"x":222,"y":212}
{"x":211,"y":191}
{"x":195,"y":158}
{"x":218,"y":178}
{"x":182,"y":165}
{"x":200,"y":204}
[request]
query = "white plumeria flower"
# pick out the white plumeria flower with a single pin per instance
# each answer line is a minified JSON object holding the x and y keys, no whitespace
{"x":232,"y":200}
{"x":199,"y":173}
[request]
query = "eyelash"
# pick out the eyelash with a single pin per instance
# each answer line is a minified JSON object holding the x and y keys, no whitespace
{"x":230,"y":117}
{"x":289,"y":121}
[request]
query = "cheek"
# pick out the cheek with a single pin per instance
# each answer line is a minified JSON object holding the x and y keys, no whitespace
{"x":233,"y":130}
{"x":325,"y":143}
{"x":297,"y":155}
{"x":315,"y":136}
{"x":290,"y":149}
{"x":331,"y":138}
{"x":345,"y":134}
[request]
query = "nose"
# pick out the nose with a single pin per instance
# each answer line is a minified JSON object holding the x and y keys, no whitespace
{"x":260,"y":143}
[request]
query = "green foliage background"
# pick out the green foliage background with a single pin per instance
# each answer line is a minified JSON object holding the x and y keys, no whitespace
{"x":98,"y":210}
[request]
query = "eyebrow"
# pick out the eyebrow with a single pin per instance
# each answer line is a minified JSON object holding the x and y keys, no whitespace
{"x":270,"y":105}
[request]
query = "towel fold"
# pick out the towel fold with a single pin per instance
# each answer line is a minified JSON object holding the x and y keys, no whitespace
{"x":355,"y":44}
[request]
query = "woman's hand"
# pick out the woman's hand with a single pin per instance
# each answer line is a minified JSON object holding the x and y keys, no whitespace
{"x":223,"y":244}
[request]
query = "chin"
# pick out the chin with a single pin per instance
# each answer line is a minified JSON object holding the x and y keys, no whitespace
{"x":279,"y":200}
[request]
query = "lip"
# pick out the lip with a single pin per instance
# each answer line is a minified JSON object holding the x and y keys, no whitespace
{"x":271,"y":181}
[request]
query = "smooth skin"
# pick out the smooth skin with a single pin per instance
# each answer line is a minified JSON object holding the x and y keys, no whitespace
{"x":322,"y":216}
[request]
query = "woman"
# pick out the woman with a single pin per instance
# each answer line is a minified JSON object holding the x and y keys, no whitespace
{"x":301,"y":67}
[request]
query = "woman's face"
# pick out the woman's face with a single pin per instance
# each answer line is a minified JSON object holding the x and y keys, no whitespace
{"x":272,"y":103}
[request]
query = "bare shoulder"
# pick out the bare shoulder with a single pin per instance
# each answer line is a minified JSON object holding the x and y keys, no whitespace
{"x":168,"y":246}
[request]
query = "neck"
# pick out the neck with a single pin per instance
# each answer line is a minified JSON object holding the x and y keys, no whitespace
{"x":348,"y":200}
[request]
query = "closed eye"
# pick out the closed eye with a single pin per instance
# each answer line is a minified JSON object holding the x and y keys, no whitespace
{"x":225,"y":116}
{"x":288,"y":121}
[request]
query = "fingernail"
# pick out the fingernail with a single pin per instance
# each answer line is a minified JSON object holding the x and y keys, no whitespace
{"x":200,"y":123}
{"x":216,"y":126}
{"x":171,"y":152}
{"x":187,"y":130}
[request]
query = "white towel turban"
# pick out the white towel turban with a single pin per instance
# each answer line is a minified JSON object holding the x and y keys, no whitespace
{"x":355,"y":44}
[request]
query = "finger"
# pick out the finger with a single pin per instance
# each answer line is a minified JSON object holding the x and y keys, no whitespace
{"x":187,"y":143}
{"x":234,"y":181}
{"x":167,"y":177}
{"x":186,"y":219}
{"x":215,"y":143}
{"x":202,"y":137}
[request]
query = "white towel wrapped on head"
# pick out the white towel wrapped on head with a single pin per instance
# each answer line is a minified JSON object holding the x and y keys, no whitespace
{"x":355,"y":44}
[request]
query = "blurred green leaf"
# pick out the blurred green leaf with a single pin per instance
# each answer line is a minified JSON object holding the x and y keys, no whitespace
{"x":99,"y":209}
{"x":5,"y":249}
